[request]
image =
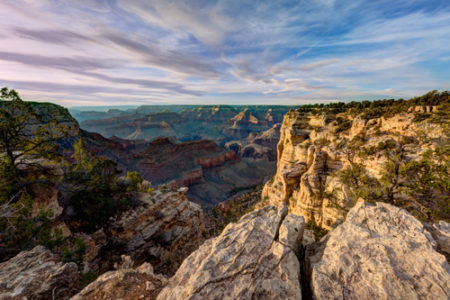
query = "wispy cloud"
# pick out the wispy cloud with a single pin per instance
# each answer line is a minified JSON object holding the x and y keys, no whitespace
{"x":198,"y":51}
{"x":205,"y":20}
{"x":65,"y":63}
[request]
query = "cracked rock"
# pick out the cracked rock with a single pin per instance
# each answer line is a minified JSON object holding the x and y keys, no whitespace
{"x":291,"y":232}
{"x":125,"y":283}
{"x":244,"y":262}
{"x":37,"y":274}
{"x":380,"y":252}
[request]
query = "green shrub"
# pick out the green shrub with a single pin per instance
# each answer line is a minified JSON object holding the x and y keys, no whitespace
{"x":87,"y":277}
{"x":419,"y":117}
{"x":136,"y":180}
{"x":319,"y":232}
{"x":76,"y":253}
{"x":94,"y":194}
{"x":342,"y":124}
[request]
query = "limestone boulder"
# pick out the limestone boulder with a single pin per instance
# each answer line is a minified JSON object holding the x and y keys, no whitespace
{"x":246,"y":261}
{"x":37,"y":274}
{"x":380,"y":252}
{"x":291,"y":232}
{"x":127,"y":283}
{"x":163,"y":230}
{"x":441,"y":233}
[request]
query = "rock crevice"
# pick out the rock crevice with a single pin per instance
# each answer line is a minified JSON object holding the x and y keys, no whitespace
{"x":252,"y":258}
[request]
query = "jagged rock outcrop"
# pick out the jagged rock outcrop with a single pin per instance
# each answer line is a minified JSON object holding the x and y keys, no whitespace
{"x":259,"y":146}
{"x":251,"y":259}
{"x":380,"y":252}
{"x":244,"y":123}
{"x":163,"y":230}
{"x":314,"y":146}
{"x":441,"y":233}
{"x":37,"y":274}
{"x":126,"y":283}
{"x":94,"y":243}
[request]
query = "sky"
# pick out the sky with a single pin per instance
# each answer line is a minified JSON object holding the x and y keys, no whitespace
{"x":121,"y":52}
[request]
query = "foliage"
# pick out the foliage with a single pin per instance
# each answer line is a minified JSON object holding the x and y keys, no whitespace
{"x":29,"y":152}
{"x":378,"y":108}
{"x":429,"y":182}
{"x":232,"y":210}
{"x":322,"y":142}
{"x":76,"y":253}
{"x":136,"y":180}
{"x":163,"y":188}
{"x":419,"y":117}
{"x":319,"y":232}
{"x":19,"y":229}
{"x":359,"y":183}
{"x":421,"y":186}
{"x":87,"y":277}
{"x":441,"y":114}
{"x":342,"y":124}
{"x":94,"y":193}
{"x":25,"y":141}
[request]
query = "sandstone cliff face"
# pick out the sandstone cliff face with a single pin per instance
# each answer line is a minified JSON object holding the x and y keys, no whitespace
{"x":37,"y":274}
{"x":312,"y":149}
{"x":380,"y":252}
{"x":252,"y":259}
{"x":163,"y":230}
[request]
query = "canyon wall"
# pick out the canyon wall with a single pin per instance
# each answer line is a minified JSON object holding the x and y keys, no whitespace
{"x":313,"y":147}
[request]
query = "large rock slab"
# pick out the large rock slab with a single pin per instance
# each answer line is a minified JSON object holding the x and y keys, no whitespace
{"x":380,"y":252}
{"x":441,"y":233}
{"x":164,"y":230}
{"x":245,"y":262}
{"x":130,"y":284}
{"x":37,"y":274}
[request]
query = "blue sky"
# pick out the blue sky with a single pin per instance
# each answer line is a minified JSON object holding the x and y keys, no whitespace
{"x":118,"y":52}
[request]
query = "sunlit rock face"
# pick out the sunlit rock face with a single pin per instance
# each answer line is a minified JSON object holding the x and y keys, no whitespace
{"x":380,"y":252}
{"x":311,"y":150}
{"x":254,"y":258}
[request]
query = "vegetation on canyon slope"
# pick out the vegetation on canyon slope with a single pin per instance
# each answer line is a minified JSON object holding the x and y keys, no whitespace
{"x":420,"y":185}
{"x":34,"y":156}
{"x":35,"y":153}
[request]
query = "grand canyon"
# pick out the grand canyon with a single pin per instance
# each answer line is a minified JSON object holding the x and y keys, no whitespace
{"x":224,"y":150}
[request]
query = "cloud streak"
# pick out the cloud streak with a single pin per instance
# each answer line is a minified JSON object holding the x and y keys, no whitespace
{"x":232,"y":51}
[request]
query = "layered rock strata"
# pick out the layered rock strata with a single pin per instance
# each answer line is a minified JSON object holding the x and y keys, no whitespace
{"x":163,"y":230}
{"x":259,"y":146}
{"x":312,"y":148}
{"x":37,"y":274}
{"x":210,"y":171}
